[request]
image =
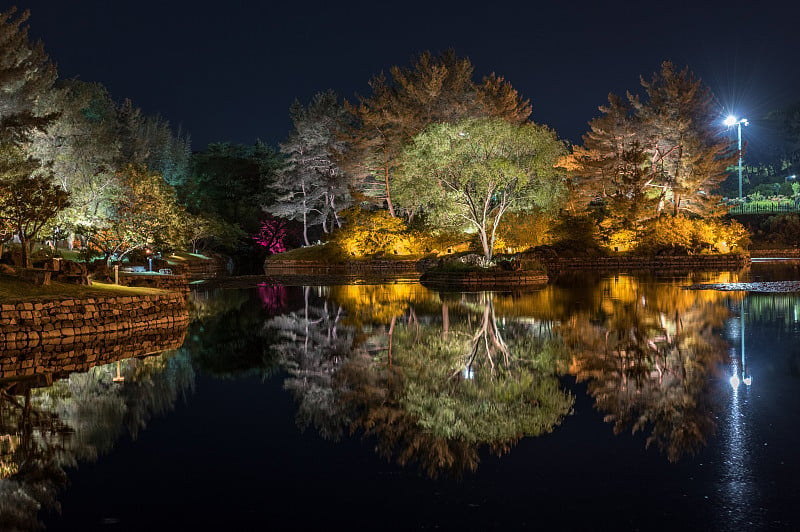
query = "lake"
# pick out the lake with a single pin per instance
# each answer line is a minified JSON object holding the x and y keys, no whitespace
{"x":600,"y":402}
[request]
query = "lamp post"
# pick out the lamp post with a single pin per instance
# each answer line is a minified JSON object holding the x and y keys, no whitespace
{"x":730,"y":121}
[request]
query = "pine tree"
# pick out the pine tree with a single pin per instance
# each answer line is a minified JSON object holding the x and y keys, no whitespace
{"x":688,"y":158}
{"x":26,"y":73}
{"x":657,"y":154}
{"x":312,"y":187}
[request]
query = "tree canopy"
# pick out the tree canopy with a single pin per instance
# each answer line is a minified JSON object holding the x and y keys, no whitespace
{"x":435,"y":89}
{"x":472,"y":172}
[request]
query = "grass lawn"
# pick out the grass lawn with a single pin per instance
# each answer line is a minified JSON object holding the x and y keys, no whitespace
{"x":12,"y":289}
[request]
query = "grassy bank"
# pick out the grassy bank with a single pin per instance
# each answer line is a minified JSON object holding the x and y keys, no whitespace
{"x":12,"y":289}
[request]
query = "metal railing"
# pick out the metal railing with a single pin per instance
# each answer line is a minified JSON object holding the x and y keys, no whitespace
{"x":764,"y":208}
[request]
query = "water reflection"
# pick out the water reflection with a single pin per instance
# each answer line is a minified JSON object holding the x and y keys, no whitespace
{"x":649,"y":354}
{"x":431,"y":388}
{"x":69,"y":402}
{"x":434,"y":378}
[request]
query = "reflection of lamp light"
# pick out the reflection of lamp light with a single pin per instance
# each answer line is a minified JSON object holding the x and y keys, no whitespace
{"x":746,"y":379}
{"x":118,"y":378}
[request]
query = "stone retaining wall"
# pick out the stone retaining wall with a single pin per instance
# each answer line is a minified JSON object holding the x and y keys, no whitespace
{"x":775,"y":253}
{"x":176,"y":283}
{"x":304,"y":267}
{"x":489,"y":280}
{"x":661,"y":264}
{"x":29,"y":324}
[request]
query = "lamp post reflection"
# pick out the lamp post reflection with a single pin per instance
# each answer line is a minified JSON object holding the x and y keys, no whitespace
{"x":746,"y":379}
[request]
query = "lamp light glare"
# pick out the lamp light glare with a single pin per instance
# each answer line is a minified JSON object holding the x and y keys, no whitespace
{"x":731,"y":120}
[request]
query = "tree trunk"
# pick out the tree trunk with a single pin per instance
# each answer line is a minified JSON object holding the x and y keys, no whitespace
{"x":487,"y":250}
{"x":26,"y":261}
{"x":386,"y":181}
{"x":305,"y":221}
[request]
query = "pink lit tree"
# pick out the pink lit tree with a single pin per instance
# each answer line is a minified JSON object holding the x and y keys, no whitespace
{"x":274,"y":233}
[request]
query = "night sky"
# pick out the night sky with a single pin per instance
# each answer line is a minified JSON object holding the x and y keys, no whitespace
{"x":228,"y":71}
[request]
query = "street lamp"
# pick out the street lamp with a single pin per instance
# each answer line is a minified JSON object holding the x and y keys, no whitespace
{"x":731,"y":121}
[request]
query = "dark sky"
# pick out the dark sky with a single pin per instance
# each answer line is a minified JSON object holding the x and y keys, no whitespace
{"x":228,"y":71}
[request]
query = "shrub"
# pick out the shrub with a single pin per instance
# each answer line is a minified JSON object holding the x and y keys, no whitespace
{"x":678,"y":234}
{"x":523,"y":230}
{"x":376,"y":232}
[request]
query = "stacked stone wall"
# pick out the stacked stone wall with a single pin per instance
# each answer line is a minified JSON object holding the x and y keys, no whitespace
{"x":29,"y":324}
{"x":301,"y":267}
{"x":488,"y":280}
{"x":652,"y":264}
{"x":176,"y":283}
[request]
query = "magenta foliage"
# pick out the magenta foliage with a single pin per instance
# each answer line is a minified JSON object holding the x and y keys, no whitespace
{"x":273,"y":234}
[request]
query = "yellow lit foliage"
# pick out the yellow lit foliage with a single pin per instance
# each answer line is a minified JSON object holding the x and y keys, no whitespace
{"x":522,"y":230}
{"x":695,"y":235}
{"x":368,"y":233}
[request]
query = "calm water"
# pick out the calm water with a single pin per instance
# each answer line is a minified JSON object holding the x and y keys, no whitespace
{"x":597,"y":403}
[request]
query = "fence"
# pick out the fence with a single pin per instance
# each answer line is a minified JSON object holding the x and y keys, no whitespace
{"x":764,"y":208}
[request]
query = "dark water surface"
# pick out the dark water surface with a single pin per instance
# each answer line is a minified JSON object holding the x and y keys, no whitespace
{"x":598,"y":403}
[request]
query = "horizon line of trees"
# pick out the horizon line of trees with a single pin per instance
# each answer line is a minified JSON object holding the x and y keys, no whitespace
{"x":428,"y":145}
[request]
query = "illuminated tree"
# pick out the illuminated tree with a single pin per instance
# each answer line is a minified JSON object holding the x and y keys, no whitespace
{"x":435,"y":89}
{"x":311,"y":188}
{"x":28,"y":199}
{"x":471,"y":173}
{"x":144,"y":213}
{"x":659,"y":154}
{"x":26,"y":73}
{"x":273,"y":234}
{"x":688,"y":158}
{"x":82,"y":149}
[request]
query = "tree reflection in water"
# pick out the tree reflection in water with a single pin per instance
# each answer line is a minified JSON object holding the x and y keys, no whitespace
{"x":434,"y":379}
{"x":431,"y":390}
{"x":649,"y":356}
{"x":44,"y":430}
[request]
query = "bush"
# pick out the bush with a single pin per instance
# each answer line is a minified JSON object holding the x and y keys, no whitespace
{"x":523,"y":230}
{"x":782,"y":229}
{"x":367,"y":233}
{"x":575,"y":236}
{"x":681,"y":235}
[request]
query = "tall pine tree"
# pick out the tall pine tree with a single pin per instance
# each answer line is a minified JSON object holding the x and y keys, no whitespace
{"x":312,"y":188}
{"x":26,"y":73}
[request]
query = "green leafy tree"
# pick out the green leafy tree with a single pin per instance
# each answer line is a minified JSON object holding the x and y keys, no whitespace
{"x":471,"y":173}
{"x":434,"y":89}
{"x":28,"y":198}
{"x":145,"y":213}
